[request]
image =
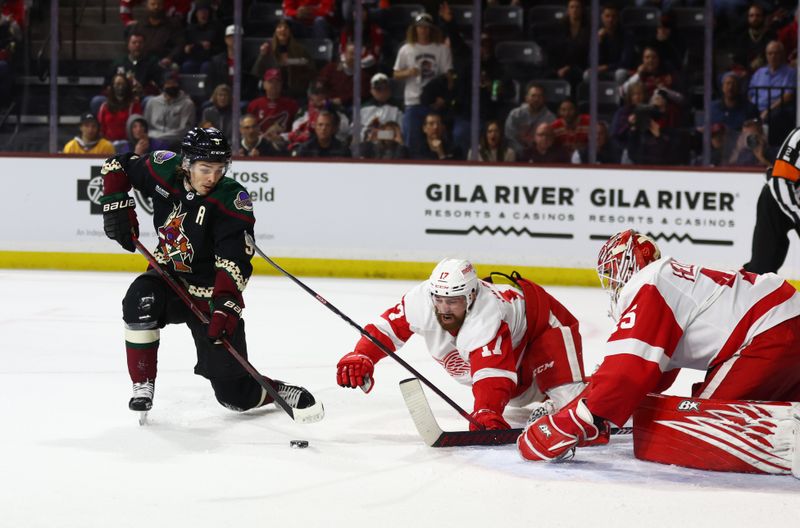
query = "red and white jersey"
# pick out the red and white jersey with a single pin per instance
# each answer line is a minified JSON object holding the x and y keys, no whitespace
{"x":493,"y":350}
{"x":676,"y":315}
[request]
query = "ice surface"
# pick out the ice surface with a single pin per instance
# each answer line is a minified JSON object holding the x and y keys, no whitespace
{"x":73,"y":455}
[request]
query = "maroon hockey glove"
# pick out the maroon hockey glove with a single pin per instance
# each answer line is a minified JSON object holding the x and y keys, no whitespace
{"x":551,"y":437}
{"x":488,"y":419}
{"x":355,"y":370}
{"x":119,"y":219}
{"x":224,"y":318}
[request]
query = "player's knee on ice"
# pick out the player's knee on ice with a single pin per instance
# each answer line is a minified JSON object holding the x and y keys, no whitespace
{"x":143,"y":304}
{"x":238,"y":394}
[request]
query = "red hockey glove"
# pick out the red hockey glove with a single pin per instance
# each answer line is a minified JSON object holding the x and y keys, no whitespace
{"x":551,"y":437}
{"x":224,"y":318}
{"x":488,"y":419}
{"x":119,"y":219}
{"x":355,"y":370}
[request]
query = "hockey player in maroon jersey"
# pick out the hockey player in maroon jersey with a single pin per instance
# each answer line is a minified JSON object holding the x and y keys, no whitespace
{"x":201,"y":219}
{"x":741,"y":328}
{"x":514,"y":347}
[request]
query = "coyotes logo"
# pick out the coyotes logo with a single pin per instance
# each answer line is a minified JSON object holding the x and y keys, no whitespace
{"x":173,"y":242}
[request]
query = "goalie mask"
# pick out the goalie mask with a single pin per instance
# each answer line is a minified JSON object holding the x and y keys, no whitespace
{"x":621,"y":257}
{"x":454,"y":278}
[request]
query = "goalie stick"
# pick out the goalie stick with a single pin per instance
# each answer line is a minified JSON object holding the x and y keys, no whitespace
{"x":366,"y":334}
{"x":433,"y":435}
{"x":311,"y":414}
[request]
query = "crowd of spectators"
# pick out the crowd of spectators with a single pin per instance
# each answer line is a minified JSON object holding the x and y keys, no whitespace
{"x":416,"y":82}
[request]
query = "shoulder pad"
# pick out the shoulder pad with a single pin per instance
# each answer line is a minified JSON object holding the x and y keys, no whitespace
{"x":233,"y":197}
{"x":164,"y":163}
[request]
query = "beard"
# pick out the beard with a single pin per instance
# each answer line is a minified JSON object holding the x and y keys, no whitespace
{"x":450,"y":322}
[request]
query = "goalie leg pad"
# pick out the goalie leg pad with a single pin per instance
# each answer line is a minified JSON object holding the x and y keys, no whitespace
{"x":718,"y":435}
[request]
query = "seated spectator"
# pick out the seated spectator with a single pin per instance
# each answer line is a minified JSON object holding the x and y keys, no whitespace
{"x":772,"y":90}
{"x":749,"y":41}
{"x":310,"y":18}
{"x":171,"y":114}
{"x":571,"y":129}
{"x":163,"y":35}
{"x":607,"y":149}
{"x":612,"y":43}
{"x":10,"y":39}
{"x":253,"y":143}
{"x":290,"y":57}
{"x":569,"y":51}
{"x":372,"y":40}
{"x":175,"y":9}
{"x":423,"y":57}
{"x":275,"y":113}
{"x":139,"y":142}
{"x":523,"y":121}
{"x":621,"y":122}
{"x":305,"y":123}
{"x":751,"y":148}
{"x":141,"y":69}
{"x":220,"y":114}
{"x":114,"y":112}
{"x":89,"y":141}
{"x":378,"y":110}
{"x":544,"y":148}
{"x":493,"y":146}
{"x":721,"y":145}
{"x":323,"y":143}
{"x":732,"y":109}
{"x":436,"y":145}
{"x":384,"y":142}
{"x":649,"y":141}
{"x":450,"y":96}
{"x":787,"y":35}
{"x":651,"y":73}
{"x":202,"y":40}
{"x":221,"y":68}
{"x":338,"y":76}
{"x":670,"y":48}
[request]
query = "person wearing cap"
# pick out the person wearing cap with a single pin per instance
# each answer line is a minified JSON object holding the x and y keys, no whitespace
{"x":202,"y":40}
{"x":273,"y":112}
{"x":284,"y":52}
{"x":423,"y":56}
{"x":89,"y":141}
{"x":171,"y":114}
{"x":752,"y":148}
{"x":777,"y":211}
{"x":221,"y":67}
{"x":378,"y":110}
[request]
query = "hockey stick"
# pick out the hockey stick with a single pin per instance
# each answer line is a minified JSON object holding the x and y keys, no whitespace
{"x":433,"y":435}
{"x":364,"y":333}
{"x":311,"y":414}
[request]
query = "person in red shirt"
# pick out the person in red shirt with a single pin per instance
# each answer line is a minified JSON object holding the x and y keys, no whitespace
{"x":571,"y":129}
{"x":114,"y":112}
{"x":309,"y":18}
{"x":275,"y":113}
{"x":338,"y":76}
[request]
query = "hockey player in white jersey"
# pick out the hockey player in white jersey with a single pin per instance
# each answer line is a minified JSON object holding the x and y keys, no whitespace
{"x":512,"y":346}
{"x":742,"y":329}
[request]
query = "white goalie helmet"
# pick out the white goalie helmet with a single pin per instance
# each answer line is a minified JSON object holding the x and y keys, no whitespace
{"x":453,"y":278}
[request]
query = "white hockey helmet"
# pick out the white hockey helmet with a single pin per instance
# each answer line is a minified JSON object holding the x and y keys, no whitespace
{"x":453,"y":278}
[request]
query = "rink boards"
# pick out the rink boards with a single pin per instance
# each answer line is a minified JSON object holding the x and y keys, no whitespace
{"x":394,"y":220}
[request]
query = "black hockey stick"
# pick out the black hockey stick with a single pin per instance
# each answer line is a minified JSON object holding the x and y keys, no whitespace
{"x":364,"y":333}
{"x":433,"y":435}
{"x":311,"y":414}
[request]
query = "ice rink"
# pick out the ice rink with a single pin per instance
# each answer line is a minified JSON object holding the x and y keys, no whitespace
{"x":73,"y":455}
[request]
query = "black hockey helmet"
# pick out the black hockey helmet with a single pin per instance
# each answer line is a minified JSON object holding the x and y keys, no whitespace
{"x":205,"y":144}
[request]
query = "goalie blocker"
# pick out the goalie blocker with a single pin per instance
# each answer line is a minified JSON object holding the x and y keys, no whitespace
{"x":719,"y":435}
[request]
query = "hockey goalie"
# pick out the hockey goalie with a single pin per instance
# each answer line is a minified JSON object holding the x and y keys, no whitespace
{"x":742,"y":329}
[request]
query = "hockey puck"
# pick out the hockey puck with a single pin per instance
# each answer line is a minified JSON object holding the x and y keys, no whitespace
{"x":298,"y":444}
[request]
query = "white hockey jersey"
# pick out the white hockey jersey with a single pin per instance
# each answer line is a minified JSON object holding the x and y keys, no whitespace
{"x":676,"y":315}
{"x":494,"y":351}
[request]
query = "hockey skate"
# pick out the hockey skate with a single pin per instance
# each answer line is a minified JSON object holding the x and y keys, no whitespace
{"x":142,"y":399}
{"x":305,"y":406}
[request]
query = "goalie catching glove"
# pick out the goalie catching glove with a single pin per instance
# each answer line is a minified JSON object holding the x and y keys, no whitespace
{"x":119,"y":219}
{"x":355,"y":370}
{"x":224,"y":318}
{"x":553,"y":436}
